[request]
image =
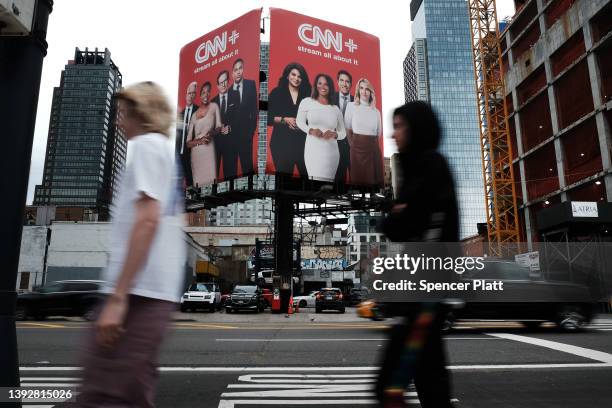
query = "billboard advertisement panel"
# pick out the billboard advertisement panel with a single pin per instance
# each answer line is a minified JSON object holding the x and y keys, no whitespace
{"x":324,"y":119}
{"x":218,"y":96}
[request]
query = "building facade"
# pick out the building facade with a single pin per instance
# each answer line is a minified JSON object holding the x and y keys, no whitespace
{"x":362,"y":234}
{"x":557,"y":59}
{"x":85,"y":150}
{"x":439,"y":69}
{"x":416,"y":85}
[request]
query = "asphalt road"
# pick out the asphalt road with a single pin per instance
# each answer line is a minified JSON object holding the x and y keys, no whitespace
{"x":287,"y":362}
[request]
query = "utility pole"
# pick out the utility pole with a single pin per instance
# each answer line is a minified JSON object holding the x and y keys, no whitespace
{"x":21,"y":59}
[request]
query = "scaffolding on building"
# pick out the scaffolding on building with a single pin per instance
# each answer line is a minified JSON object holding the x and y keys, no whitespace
{"x":496,"y":144}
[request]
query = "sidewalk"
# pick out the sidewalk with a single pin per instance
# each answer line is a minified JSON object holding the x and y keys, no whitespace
{"x":304,"y":315}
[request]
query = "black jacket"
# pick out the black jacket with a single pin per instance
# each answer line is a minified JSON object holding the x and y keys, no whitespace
{"x":246,"y":117}
{"x":336,"y":99}
{"x":179,"y":130}
{"x":428,"y":190}
{"x":227,"y":117}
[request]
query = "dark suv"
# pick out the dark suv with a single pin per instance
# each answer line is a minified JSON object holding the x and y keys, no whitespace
{"x":61,"y":298}
{"x":245,"y":297}
{"x":329,"y":299}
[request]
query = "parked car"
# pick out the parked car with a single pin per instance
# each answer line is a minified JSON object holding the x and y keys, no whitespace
{"x":358,"y":295}
{"x":329,"y":299}
{"x":306,"y":300}
{"x":261,"y":278}
{"x":60,"y":298}
{"x":245,"y":297}
{"x":201,"y":295}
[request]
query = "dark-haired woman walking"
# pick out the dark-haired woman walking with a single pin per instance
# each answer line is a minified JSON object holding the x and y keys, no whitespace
{"x":425,"y":211}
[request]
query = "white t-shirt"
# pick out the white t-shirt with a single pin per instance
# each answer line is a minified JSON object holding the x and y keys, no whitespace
{"x":363,"y":119}
{"x":150,"y":170}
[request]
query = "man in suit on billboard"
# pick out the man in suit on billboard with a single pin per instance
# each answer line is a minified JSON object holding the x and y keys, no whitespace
{"x":244,"y":93}
{"x":225,"y":148}
{"x":184,"y":120}
{"x":342,"y":99}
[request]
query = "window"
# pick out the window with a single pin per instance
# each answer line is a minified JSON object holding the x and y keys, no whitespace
{"x":24,"y":282}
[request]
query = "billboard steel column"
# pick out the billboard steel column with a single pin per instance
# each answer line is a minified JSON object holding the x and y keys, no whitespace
{"x":283,"y":247}
{"x":21,"y":61}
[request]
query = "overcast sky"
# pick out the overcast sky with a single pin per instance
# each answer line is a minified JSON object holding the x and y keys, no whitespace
{"x":145,"y":36}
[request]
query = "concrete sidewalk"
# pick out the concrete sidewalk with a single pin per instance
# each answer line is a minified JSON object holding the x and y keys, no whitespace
{"x":304,"y":315}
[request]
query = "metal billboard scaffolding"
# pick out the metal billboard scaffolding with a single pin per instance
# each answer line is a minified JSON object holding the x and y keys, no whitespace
{"x":292,"y":197}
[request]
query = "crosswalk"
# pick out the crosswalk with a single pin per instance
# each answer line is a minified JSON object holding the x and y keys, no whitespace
{"x":344,"y":389}
{"x":282,"y":389}
{"x":470,"y":325}
{"x":601,"y":325}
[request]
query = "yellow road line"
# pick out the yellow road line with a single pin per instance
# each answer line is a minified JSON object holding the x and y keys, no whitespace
{"x":204,"y":326}
{"x":47,"y":325}
{"x":330,"y":327}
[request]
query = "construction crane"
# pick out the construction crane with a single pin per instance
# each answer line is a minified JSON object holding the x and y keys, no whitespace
{"x":495,"y":140}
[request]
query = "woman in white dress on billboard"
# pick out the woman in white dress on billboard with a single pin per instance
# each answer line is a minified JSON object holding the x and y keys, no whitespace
{"x":323,"y":124}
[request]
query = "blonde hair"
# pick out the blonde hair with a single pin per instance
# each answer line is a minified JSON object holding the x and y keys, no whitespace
{"x":147,"y":101}
{"x":370,"y":88}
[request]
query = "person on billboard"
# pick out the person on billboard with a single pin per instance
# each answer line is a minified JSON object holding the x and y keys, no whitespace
{"x":184,"y":120}
{"x":342,"y":99}
{"x":323,"y":124}
{"x":245,"y":121}
{"x":288,"y":140}
{"x":364,"y":130}
{"x":204,"y":127}
{"x":225,"y":149}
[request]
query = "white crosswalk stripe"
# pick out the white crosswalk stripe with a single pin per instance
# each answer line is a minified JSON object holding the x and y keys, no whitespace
{"x":602,"y":325}
{"x":58,"y":383}
{"x":305,"y":389}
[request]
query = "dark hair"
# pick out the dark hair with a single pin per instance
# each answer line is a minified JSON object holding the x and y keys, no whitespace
{"x":305,"y":88}
{"x":330,"y":85}
{"x":226,"y":72}
{"x":343,"y":72}
{"x":423,"y":124}
{"x":204,"y":85}
{"x":237,"y":61}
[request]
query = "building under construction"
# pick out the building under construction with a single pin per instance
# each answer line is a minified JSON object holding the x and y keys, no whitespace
{"x":557,"y":64}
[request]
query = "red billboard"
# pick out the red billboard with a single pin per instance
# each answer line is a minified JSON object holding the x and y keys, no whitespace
{"x":218,"y":96}
{"x":324,"y":120}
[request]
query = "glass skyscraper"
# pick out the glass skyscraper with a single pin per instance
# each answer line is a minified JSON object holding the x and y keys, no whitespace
{"x":85,"y":150}
{"x":439,"y":69}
